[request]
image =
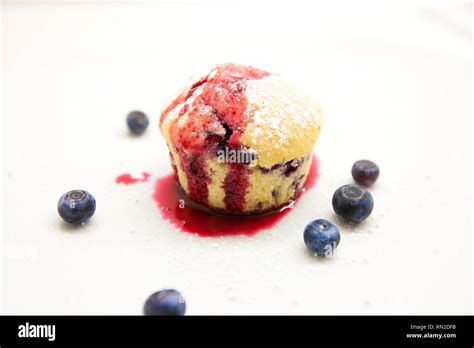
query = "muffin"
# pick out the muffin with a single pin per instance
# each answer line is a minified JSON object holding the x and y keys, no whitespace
{"x":241,"y":140}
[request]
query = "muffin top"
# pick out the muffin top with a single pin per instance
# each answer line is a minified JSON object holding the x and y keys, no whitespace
{"x":243,"y":107}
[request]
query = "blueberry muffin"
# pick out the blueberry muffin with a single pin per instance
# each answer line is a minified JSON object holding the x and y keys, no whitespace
{"x":241,"y":140}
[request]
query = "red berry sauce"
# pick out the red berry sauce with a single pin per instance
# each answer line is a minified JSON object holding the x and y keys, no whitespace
{"x":217,"y":115}
{"x":127,"y":179}
{"x":235,"y":187}
{"x":173,"y":206}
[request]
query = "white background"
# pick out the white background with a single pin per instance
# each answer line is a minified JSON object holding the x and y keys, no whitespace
{"x":394,"y":81}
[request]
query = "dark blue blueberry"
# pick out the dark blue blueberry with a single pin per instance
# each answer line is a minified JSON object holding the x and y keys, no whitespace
{"x":165,"y":302}
{"x":137,"y":122}
{"x":321,"y":237}
{"x":352,"y":203}
{"x":365,"y":172}
{"x":76,"y":206}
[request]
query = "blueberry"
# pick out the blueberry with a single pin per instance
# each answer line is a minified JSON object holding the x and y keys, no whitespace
{"x":321,"y":237}
{"x":165,"y":302}
{"x":365,"y":172}
{"x":137,"y":122}
{"x":352,"y":203}
{"x":76,"y":206}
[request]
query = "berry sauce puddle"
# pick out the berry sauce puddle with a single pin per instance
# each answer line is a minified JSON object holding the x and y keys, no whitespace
{"x":127,"y":179}
{"x":174,"y":208}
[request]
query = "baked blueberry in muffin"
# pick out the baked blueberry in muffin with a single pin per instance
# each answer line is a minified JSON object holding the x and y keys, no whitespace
{"x":241,"y":139}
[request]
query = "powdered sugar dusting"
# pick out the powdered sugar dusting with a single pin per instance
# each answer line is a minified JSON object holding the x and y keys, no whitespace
{"x":285,"y":121}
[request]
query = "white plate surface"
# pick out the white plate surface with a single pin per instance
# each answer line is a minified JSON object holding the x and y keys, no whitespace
{"x":395,"y":86}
